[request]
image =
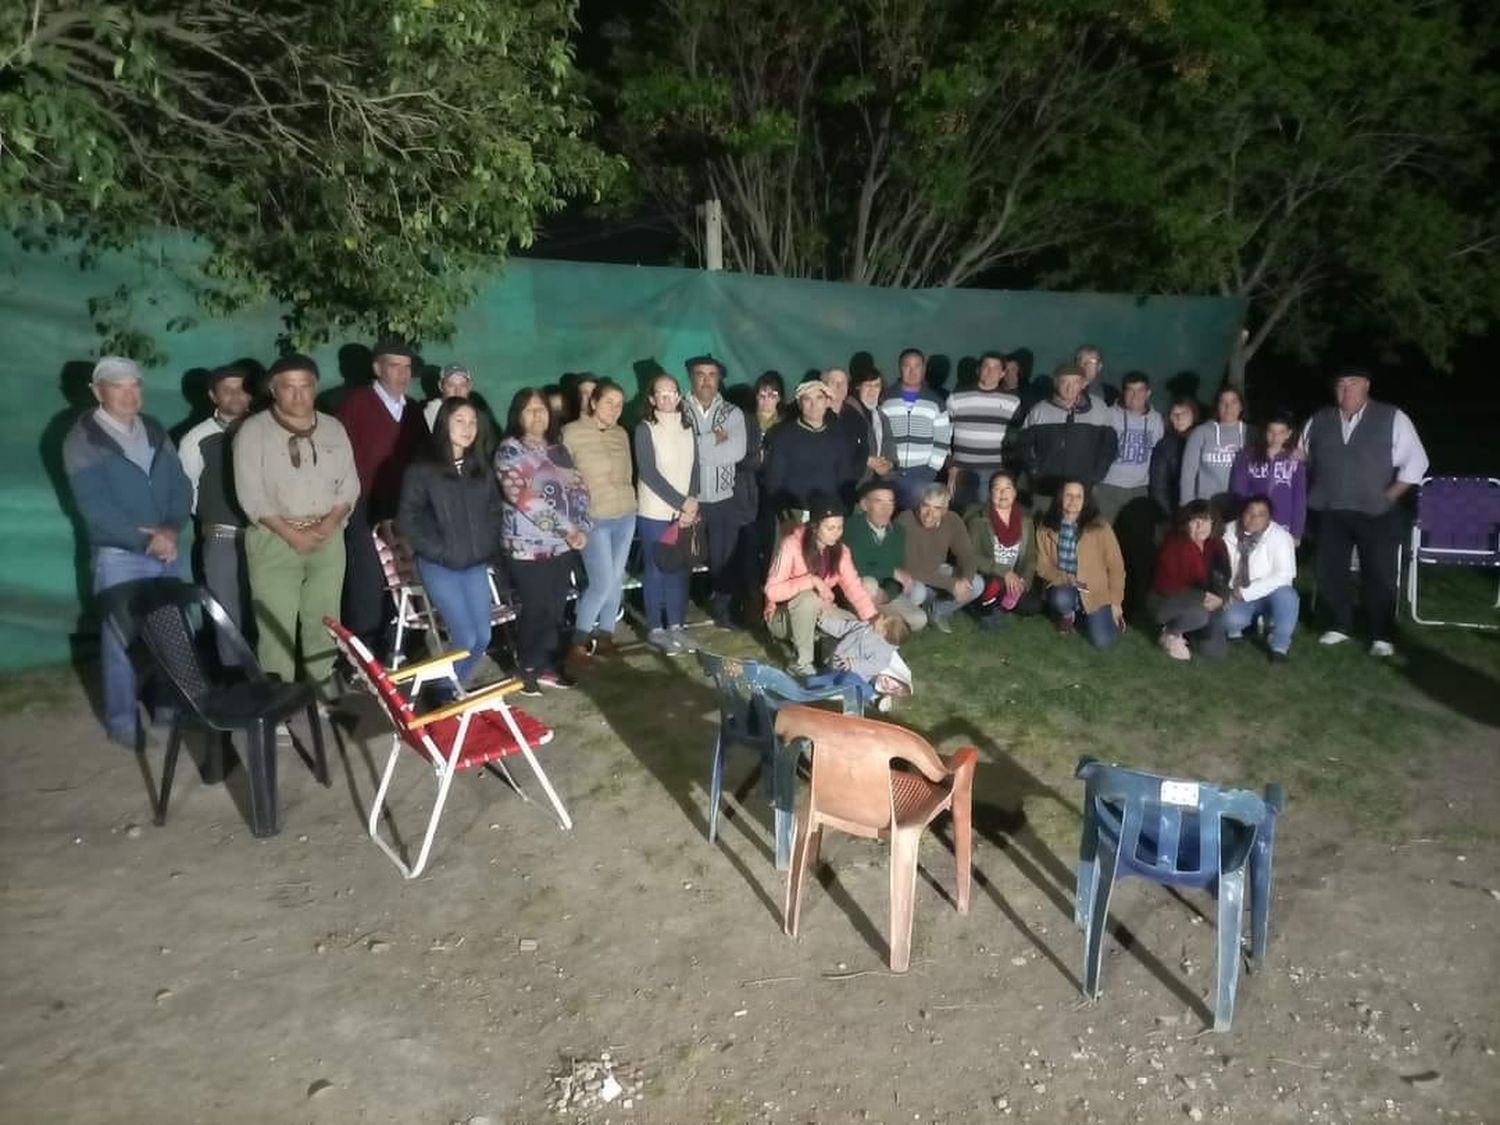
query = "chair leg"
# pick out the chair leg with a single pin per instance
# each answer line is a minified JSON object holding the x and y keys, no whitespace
{"x":536,"y":767}
{"x":320,"y":755}
{"x":963,"y":854}
{"x":804,"y":858}
{"x":1105,"y":863}
{"x":715,"y":787}
{"x":783,"y":798}
{"x":168,"y":769}
{"x":261,"y":767}
{"x":1231,"y":914}
{"x":905,"y":843}
{"x":1260,"y":890}
{"x":377,"y":806}
{"x":215,"y":756}
{"x":445,"y":780}
{"x":1088,"y":871}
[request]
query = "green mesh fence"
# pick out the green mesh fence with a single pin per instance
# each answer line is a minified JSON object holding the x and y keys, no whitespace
{"x":529,"y":325}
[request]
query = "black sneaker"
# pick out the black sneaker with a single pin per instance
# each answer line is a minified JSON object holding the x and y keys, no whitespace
{"x":1280,"y":658}
{"x":530,"y":687}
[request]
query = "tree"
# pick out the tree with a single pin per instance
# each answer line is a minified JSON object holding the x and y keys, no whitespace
{"x":1330,"y":162}
{"x":892,"y":142}
{"x":358,"y":160}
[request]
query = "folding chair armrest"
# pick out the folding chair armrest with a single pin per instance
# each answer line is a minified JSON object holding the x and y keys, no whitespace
{"x":491,"y":694}
{"x":408,"y":671}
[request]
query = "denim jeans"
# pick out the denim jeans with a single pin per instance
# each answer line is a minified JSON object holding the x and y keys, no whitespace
{"x":1283,"y":607}
{"x":462,"y":600}
{"x":665,"y":594}
{"x":1099,"y":627}
{"x":113,"y":567}
{"x":939,"y":602}
{"x":604,"y":562}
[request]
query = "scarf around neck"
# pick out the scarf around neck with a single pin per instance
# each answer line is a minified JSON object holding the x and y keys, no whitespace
{"x":297,"y":435}
{"x":1007,"y":534}
{"x":1246,"y":546}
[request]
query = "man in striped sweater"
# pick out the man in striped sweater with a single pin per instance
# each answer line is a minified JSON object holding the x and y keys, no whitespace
{"x":920,"y":426}
{"x":981,"y":418}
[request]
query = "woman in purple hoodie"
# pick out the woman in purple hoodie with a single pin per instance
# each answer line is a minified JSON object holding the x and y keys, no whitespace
{"x":1270,"y":466}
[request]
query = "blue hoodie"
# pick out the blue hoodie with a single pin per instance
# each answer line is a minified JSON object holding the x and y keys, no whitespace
{"x":117,"y":498}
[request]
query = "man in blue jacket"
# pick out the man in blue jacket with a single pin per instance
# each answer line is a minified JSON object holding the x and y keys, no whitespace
{"x":134,"y":498}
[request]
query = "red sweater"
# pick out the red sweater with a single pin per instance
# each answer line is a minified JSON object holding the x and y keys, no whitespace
{"x":1180,"y":565}
{"x":383,"y":447}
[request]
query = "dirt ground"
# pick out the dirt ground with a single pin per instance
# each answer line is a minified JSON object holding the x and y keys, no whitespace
{"x":191,"y":973}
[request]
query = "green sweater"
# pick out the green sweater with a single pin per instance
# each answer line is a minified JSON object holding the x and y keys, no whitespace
{"x":983,"y":536}
{"x":877,"y":560}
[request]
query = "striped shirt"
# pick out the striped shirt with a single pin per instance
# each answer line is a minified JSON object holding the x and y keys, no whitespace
{"x":980,"y":421}
{"x":920,"y":428}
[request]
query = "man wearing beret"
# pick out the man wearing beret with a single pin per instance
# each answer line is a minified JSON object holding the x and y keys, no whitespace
{"x":134,"y":499}
{"x":296,"y":481}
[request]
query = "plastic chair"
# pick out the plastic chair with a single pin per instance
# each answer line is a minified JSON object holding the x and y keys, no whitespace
{"x":477,"y":731}
{"x":1181,"y":834}
{"x":750,"y":694}
{"x":172,"y":616}
{"x":1458,"y":524}
{"x":858,"y":789}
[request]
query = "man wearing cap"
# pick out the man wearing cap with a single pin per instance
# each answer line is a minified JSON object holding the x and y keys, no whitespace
{"x":1067,"y":437}
{"x":454,"y":382}
{"x":877,"y":545}
{"x":805,"y":457}
{"x":720,"y":429}
{"x":386,"y":428}
{"x":134,"y":499}
{"x":297,"y":481}
{"x":205,"y":453}
{"x":1362,"y":457}
{"x":920,"y":425}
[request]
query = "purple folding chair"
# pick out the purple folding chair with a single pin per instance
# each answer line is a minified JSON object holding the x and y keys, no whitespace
{"x":1458,"y":524}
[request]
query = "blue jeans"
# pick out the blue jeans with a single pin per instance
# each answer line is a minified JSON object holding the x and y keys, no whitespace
{"x":1099,"y":627}
{"x":604,"y":558}
{"x":112,"y":567}
{"x":462,"y":599}
{"x":938,"y":602}
{"x":1282,"y":605}
{"x":665,"y":594}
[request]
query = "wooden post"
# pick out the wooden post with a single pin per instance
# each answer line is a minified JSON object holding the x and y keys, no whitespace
{"x":713,"y":235}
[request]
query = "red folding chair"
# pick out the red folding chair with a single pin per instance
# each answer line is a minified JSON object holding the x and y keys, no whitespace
{"x":477,"y":731}
{"x":414,"y":612}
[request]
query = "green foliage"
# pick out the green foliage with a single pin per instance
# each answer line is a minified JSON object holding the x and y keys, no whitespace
{"x":914,"y":142}
{"x":1332,"y":162}
{"x":358,"y":160}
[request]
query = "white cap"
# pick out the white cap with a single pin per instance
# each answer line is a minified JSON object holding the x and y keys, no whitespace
{"x":116,"y":369}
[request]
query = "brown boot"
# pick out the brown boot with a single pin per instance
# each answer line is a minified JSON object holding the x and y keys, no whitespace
{"x":604,"y":645}
{"x":577,"y":657}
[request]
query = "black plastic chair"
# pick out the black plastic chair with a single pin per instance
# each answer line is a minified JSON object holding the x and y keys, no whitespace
{"x":170,"y":616}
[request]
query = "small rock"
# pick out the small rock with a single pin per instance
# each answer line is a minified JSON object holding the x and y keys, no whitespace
{"x":1001,"y":1103}
{"x":1018,"y":962}
{"x":1194,"y":1113}
{"x":163,"y":994}
{"x":527,"y":945}
{"x":133,"y":831}
{"x":741,"y":1012}
{"x":320,"y":947}
{"x":1422,"y":1080}
{"x":302,"y":839}
{"x":610,"y":1090}
{"x":481,"y":1119}
{"x":375,"y":945}
{"x":318,"y":1086}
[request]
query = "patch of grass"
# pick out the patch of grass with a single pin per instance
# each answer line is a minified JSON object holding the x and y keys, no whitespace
{"x":40,"y":689}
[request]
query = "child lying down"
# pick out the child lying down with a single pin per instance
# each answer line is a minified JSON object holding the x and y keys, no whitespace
{"x":869,"y":650}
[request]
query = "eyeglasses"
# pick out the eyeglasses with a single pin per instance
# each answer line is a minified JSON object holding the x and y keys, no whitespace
{"x":767,"y":392}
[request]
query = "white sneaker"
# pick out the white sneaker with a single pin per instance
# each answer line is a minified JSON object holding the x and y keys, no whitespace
{"x":681,"y":639}
{"x":883,"y":704}
{"x":1333,"y":637}
{"x":1382,"y":648}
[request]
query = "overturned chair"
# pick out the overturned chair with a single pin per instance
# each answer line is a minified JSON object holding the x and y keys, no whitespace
{"x":881,"y":782}
{"x":1185,"y":834}
{"x":480,"y":729}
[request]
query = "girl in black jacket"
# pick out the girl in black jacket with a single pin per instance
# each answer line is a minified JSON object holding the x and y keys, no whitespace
{"x":450,"y":516}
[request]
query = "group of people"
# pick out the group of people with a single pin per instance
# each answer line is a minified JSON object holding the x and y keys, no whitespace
{"x":858,"y":511}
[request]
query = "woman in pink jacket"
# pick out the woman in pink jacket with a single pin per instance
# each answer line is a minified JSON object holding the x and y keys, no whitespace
{"x":812,"y":565}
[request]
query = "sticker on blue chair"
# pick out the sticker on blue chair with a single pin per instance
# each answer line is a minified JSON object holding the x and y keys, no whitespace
{"x":1180,"y":793}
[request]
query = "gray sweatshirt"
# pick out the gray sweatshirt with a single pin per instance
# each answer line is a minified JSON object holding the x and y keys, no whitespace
{"x":1208,"y":458}
{"x":1138,"y":435}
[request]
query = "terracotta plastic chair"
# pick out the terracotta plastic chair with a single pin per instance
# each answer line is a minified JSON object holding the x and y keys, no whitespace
{"x":477,"y":731}
{"x":858,"y":788}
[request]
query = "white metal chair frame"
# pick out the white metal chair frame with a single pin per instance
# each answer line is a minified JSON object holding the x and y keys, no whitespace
{"x":488,"y":699}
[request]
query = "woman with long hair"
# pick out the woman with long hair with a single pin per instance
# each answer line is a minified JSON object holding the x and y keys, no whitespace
{"x":1211,"y":449}
{"x":812,"y":565}
{"x":1078,"y":560}
{"x":545,"y":519}
{"x":450,"y":516}
{"x":1005,"y":546}
{"x":1270,"y":466}
{"x":1190,"y":584}
{"x":601,"y":452}
{"x":666,"y":461}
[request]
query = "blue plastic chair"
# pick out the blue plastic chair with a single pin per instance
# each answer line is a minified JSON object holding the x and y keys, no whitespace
{"x":750,"y":694}
{"x":1181,"y":834}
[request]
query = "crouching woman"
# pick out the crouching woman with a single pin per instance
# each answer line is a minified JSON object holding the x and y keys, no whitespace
{"x":1079,"y":563}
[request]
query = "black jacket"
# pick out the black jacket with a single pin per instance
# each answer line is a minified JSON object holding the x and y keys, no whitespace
{"x":1166,"y":472}
{"x":801,"y":463}
{"x":1059,"y":444}
{"x":450,"y":520}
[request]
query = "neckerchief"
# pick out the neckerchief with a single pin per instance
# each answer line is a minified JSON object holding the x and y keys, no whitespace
{"x":306,"y":435}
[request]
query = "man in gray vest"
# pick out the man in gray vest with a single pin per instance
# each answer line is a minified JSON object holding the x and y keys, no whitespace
{"x":1362,"y":456}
